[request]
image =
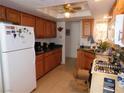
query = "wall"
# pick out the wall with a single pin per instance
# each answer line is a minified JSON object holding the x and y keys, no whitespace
{"x":72,"y":41}
{"x":60,"y":39}
{"x":100,"y":30}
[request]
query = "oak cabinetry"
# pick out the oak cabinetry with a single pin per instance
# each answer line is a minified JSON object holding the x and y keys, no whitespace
{"x":27,"y":20}
{"x":50,"y":29}
{"x":119,"y":9}
{"x":52,"y":59}
{"x":39,"y":66}
{"x":48,"y":61}
{"x":47,"y":32}
{"x":88,"y":60}
{"x":84,"y":59}
{"x":2,"y":13}
{"x":80,"y":59}
{"x":58,"y":56}
{"x":43,"y":28}
{"x":13,"y":16}
{"x":53,"y":29}
{"x":40,"y":29}
{"x":87,"y":25}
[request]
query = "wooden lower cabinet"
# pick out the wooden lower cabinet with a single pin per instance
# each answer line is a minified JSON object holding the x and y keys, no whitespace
{"x":39,"y":66}
{"x":84,"y":59}
{"x":80,"y":59}
{"x":58,"y":56}
{"x":47,"y":61}
{"x":52,"y":59}
{"x":89,"y":57}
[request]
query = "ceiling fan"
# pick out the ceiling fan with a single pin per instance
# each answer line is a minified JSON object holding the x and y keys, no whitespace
{"x":67,"y":9}
{"x":71,"y":8}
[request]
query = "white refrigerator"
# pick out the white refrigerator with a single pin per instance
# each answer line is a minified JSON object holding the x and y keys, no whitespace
{"x":17,"y":58}
{"x":119,"y":30}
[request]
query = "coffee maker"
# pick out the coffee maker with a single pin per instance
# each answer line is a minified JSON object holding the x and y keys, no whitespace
{"x":38,"y":47}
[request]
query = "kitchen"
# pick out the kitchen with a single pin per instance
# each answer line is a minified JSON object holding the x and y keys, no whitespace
{"x":56,"y":42}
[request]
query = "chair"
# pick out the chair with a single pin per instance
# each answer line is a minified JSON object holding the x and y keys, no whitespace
{"x":81,"y":74}
{"x":84,"y":75}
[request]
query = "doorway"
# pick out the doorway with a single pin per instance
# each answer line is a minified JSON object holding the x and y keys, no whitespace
{"x":72,"y":42}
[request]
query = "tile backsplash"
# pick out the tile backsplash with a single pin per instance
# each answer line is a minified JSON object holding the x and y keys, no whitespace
{"x":46,"y":40}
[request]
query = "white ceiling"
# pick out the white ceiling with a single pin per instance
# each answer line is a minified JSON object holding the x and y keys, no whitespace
{"x":100,"y":8}
{"x":39,"y":7}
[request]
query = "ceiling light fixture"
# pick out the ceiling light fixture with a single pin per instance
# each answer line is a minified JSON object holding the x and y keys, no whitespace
{"x":67,"y":15}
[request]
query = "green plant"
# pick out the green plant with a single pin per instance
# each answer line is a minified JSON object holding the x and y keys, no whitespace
{"x":104,"y":45}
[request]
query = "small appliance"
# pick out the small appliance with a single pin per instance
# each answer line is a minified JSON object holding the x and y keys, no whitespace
{"x":38,"y":47}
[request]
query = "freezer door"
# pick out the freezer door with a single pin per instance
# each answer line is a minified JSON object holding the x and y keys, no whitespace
{"x":15,"y":37}
{"x":19,"y":71}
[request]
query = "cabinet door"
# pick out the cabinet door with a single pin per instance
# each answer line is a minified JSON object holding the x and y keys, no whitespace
{"x":27,"y":20}
{"x":39,"y":28}
{"x":13,"y":16}
{"x":39,"y":66}
{"x":88,"y":60}
{"x":58,"y":56}
{"x":80,"y":59}
{"x":48,"y":61}
{"x":53,"y":29}
{"x":87,"y":25}
{"x":47,"y":29}
{"x":2,"y":13}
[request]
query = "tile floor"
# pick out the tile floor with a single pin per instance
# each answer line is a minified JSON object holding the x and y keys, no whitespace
{"x":61,"y":80}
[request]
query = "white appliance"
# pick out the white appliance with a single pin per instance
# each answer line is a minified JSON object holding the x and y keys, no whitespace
{"x":119,"y":30}
{"x":18,"y":58}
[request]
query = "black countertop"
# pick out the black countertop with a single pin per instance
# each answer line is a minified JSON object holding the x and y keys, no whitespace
{"x":87,"y":50}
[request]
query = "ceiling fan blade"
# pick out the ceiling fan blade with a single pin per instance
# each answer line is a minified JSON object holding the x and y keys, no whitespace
{"x":77,"y":8}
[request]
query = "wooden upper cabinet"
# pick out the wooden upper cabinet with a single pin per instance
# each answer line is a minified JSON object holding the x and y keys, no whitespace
{"x":119,"y":7}
{"x":2,"y":13}
{"x":13,"y":16}
{"x":39,"y":28}
{"x":27,"y":20}
{"x":47,"y":32}
{"x":87,"y":27}
{"x":53,"y":29}
{"x":50,"y":29}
